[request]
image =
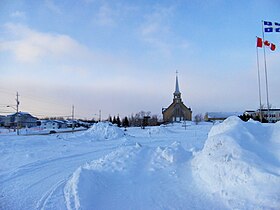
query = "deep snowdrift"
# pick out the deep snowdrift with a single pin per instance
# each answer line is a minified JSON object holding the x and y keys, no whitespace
{"x":104,"y":131}
{"x":134,"y":177}
{"x":240,"y":162}
{"x":159,"y":130}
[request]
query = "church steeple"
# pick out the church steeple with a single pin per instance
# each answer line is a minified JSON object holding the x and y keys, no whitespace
{"x":177,"y":94}
{"x":177,"y":110}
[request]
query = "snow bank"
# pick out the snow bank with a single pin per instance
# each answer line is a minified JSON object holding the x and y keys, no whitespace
{"x":126,"y":177}
{"x":158,"y":130}
{"x":104,"y":131}
{"x":240,"y":161}
{"x":172,"y":154}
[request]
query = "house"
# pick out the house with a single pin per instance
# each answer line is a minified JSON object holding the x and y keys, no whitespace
{"x":2,"y":120}
{"x":219,"y":116}
{"x":53,"y":124}
{"x":20,"y":120}
{"x":177,"y":111}
{"x":273,"y":116}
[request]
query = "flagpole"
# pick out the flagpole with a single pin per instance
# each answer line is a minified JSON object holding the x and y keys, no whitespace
{"x":265,"y":69}
{"x":259,"y":80}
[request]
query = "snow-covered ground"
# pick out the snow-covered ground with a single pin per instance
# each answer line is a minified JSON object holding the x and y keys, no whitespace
{"x":232,"y":165}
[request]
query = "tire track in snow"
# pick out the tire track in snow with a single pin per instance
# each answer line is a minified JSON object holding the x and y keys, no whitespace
{"x":35,"y":180}
{"x":35,"y":166}
{"x":52,"y":197}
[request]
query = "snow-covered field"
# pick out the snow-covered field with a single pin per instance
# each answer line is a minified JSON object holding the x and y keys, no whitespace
{"x":232,"y":165}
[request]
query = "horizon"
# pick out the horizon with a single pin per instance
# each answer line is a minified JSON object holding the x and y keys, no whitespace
{"x":120,"y":57}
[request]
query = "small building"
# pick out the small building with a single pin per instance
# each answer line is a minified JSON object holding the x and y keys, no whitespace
{"x":53,"y":124}
{"x":21,"y":120}
{"x":2,"y":120}
{"x":177,"y":111}
{"x":273,"y":116}
{"x":219,"y":116}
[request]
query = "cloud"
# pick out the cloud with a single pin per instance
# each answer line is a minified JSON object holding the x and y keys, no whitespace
{"x":64,"y":66}
{"x":105,"y":16}
{"x":157,"y":21}
{"x":18,"y":14}
{"x":157,"y":31}
{"x":112,"y":13}
{"x":53,"y":7}
{"x":155,"y":27}
{"x":29,"y":46}
{"x":74,"y":70}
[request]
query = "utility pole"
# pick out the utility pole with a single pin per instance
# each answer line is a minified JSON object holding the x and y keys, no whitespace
{"x":99,"y":115}
{"x":72,"y":118}
{"x":17,"y":118}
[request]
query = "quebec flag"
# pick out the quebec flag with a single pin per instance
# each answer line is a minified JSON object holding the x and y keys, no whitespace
{"x":271,"y":27}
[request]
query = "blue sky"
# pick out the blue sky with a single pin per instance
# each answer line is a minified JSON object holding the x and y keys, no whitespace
{"x":120,"y":57}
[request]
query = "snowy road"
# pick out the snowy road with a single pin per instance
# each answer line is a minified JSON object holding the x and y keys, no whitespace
{"x":28,"y":186}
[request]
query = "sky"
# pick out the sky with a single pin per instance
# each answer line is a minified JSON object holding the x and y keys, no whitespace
{"x":120,"y":57}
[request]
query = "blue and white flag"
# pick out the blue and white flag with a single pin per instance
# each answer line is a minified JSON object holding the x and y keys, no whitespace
{"x":271,"y":27}
{"x":277,"y":27}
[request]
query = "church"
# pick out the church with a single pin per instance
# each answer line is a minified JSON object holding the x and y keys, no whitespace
{"x":177,"y":111}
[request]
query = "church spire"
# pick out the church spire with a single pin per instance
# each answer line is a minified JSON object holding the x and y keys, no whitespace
{"x":177,"y":84}
{"x":177,"y":94}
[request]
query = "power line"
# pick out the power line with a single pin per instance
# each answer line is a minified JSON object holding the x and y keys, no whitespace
{"x":31,"y":97}
{"x":5,"y":112}
{"x":35,"y":98}
{"x":3,"y":90}
{"x":36,"y":110}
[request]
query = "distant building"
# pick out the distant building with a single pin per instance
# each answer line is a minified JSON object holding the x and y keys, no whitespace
{"x":219,"y":116}
{"x":273,"y":116}
{"x":53,"y":124}
{"x":21,"y":119}
{"x":2,"y":120}
{"x":177,"y":111}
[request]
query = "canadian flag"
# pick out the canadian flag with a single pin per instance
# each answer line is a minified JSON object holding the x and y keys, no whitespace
{"x":266,"y":43}
{"x":260,"y":43}
{"x":272,"y":46}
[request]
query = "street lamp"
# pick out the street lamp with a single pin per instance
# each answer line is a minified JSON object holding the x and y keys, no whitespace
{"x":16,"y":116}
{"x":98,"y":115}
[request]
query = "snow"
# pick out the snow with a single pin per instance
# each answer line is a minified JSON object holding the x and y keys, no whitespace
{"x":104,"y":131}
{"x":231,"y":165}
{"x":240,"y":162}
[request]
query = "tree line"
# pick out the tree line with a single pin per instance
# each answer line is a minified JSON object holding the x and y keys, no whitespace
{"x":140,"y":119}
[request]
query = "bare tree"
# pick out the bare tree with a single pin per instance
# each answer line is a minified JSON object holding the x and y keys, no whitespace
{"x":143,"y":118}
{"x":198,"y":118}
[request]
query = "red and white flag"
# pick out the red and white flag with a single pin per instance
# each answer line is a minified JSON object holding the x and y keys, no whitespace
{"x":260,"y":44}
{"x":266,"y":43}
{"x":272,"y":46}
